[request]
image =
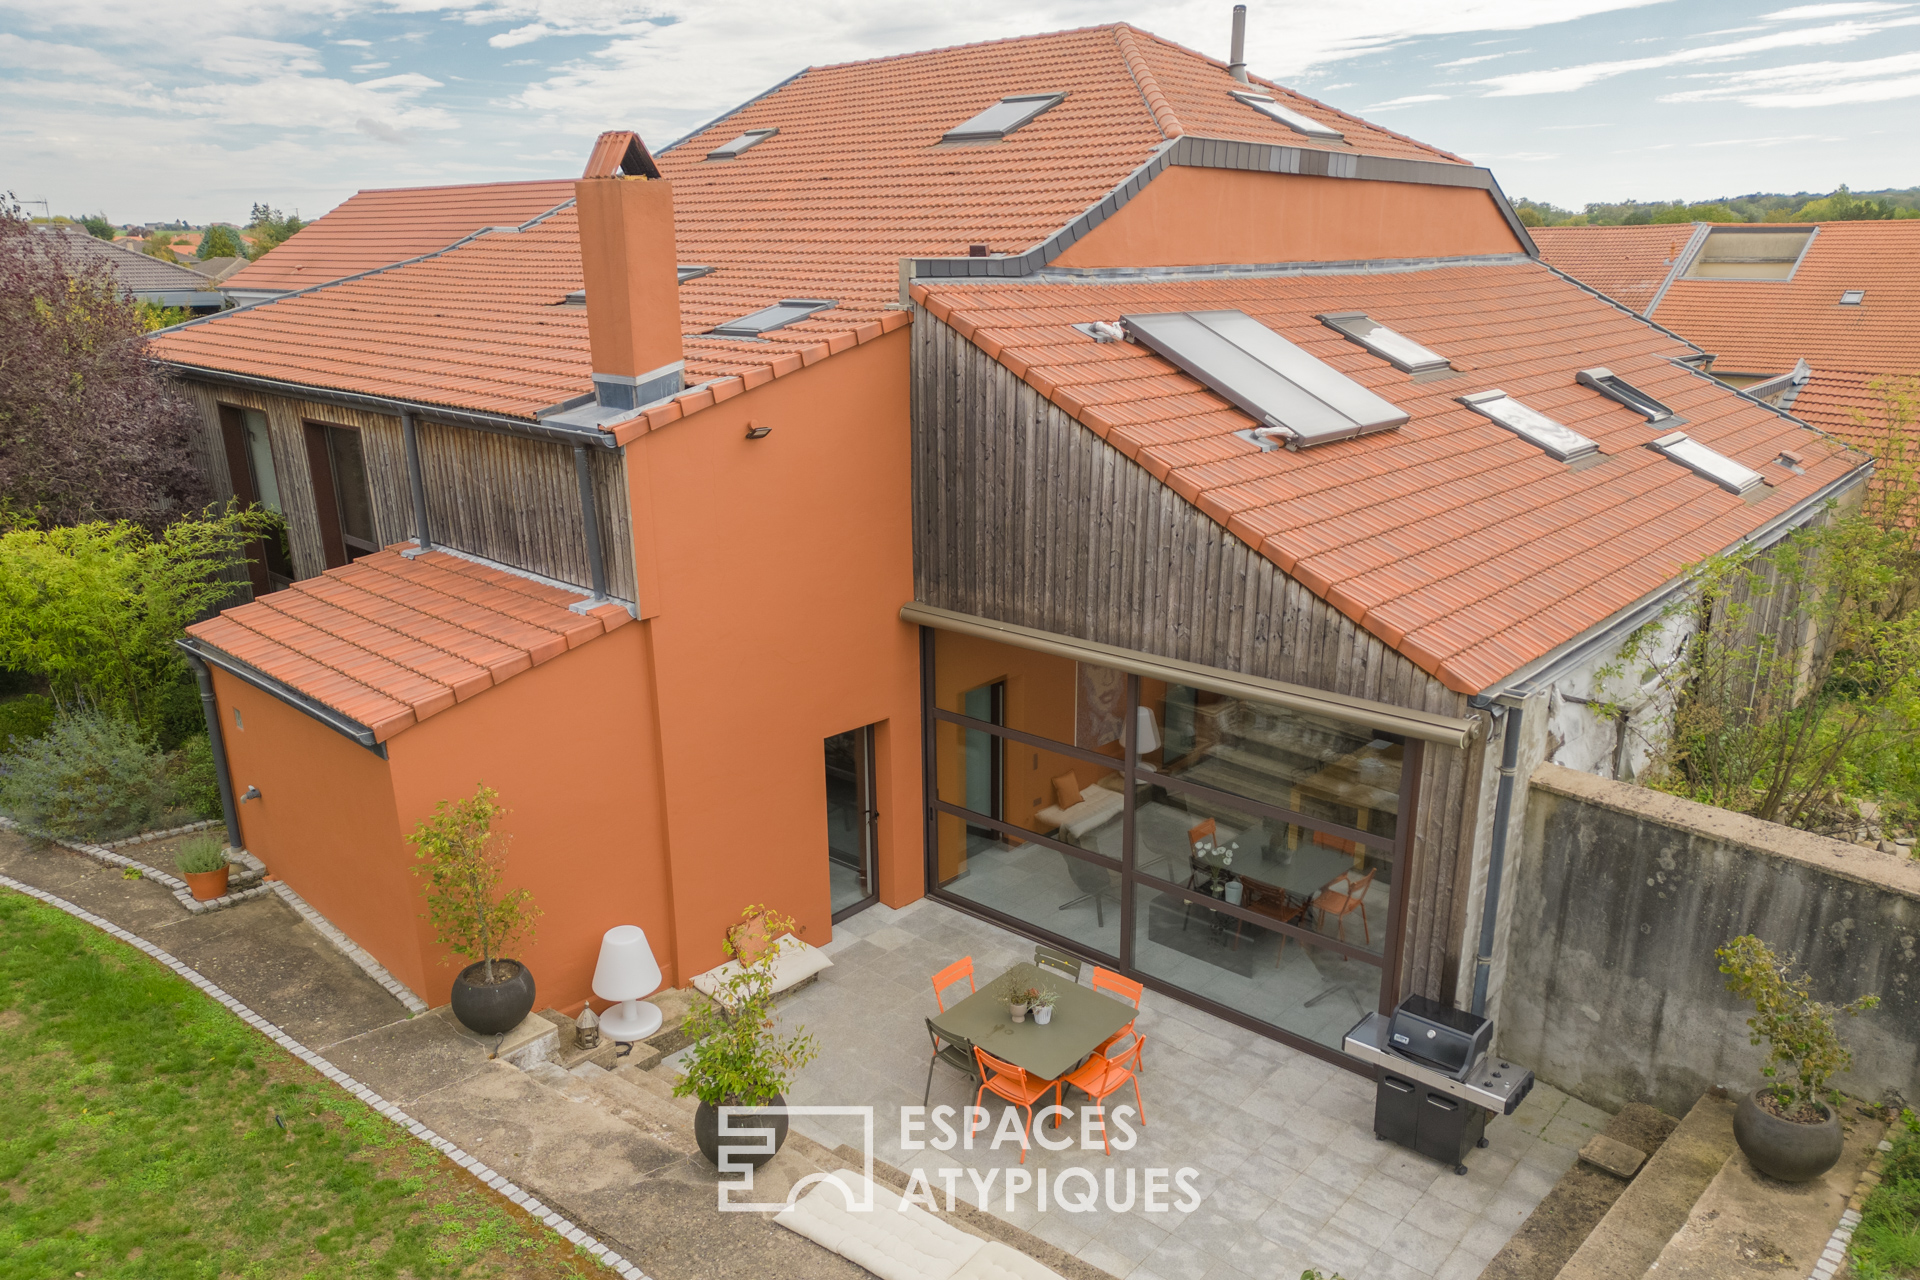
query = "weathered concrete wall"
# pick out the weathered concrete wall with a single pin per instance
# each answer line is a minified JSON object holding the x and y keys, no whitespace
{"x":1620,"y":896}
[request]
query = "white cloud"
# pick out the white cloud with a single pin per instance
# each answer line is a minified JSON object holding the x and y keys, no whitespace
{"x":1485,"y":57}
{"x":1812,"y":84}
{"x":383,"y":132}
{"x":1800,"y":12}
{"x":245,"y":56}
{"x":55,"y":59}
{"x":1568,"y":79}
{"x":1407,"y":101}
{"x":356,"y":44}
{"x":361,"y":68}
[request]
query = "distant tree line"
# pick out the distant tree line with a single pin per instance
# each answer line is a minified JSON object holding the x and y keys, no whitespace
{"x":1804,"y":206}
{"x":267,"y":228}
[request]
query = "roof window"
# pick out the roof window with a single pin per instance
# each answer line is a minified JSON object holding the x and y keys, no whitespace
{"x":1003,"y":117}
{"x":767,"y":319}
{"x":1743,"y":253}
{"x":1398,"y":350}
{"x":1559,"y":440}
{"x":1614,"y":387}
{"x":1853,"y":297}
{"x":682,"y":274}
{"x":1702,"y":461}
{"x":1297,"y":400}
{"x":751,"y":138}
{"x":1287,"y":116}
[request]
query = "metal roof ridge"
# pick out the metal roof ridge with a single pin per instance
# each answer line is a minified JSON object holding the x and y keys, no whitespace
{"x":733,"y":111}
{"x":1680,"y":263}
{"x":574,"y":588}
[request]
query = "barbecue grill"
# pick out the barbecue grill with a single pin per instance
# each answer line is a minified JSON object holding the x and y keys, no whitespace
{"x":1438,"y":1081}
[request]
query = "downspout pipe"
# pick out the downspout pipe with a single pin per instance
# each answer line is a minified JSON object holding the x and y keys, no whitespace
{"x":210,"y":707}
{"x":1237,"y":60}
{"x":590,"y":519}
{"x":1497,"y":856}
{"x":410,"y":432}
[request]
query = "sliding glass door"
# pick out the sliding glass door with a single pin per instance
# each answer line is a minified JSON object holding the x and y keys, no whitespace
{"x":1241,"y":855}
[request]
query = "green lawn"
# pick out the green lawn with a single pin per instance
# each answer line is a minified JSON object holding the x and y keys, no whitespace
{"x":141,"y":1136}
{"x":1886,"y":1244}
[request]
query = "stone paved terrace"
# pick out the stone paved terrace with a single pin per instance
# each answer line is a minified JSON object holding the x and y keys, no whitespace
{"x":1290,"y":1170}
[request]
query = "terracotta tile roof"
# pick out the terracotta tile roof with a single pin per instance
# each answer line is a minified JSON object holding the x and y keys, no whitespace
{"x":1848,"y":403}
{"x":1459,"y":544}
{"x":855,"y":180}
{"x":1627,"y":264}
{"x":387,"y":641}
{"x":1763,"y":326}
{"x":380,"y":227}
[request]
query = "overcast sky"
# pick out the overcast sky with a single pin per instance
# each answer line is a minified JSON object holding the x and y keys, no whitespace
{"x":197,"y":111}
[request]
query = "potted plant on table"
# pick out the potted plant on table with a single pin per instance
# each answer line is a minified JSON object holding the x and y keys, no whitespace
{"x":1790,"y":1128}
{"x":739,"y":1056}
{"x":1018,"y":996}
{"x":1041,"y":1000}
{"x":462,"y":860}
{"x":202,"y":861}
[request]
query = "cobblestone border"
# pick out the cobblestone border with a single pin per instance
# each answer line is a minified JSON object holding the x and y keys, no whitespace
{"x":104,"y":853}
{"x":1835,"y":1255}
{"x":348,"y":947}
{"x":565,"y":1229}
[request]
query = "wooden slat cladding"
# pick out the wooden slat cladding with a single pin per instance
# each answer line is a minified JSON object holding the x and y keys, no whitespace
{"x":1023,"y":515}
{"x":507,"y":498}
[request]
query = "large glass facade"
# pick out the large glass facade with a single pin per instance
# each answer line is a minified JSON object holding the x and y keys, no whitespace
{"x":1235,"y":852}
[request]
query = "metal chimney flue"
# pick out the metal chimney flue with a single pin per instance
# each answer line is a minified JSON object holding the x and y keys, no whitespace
{"x":1237,"y":63}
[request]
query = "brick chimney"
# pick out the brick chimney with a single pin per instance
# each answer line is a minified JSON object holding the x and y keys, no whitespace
{"x":633,"y":294}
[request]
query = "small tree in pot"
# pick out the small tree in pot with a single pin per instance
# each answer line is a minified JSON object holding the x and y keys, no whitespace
{"x":461,"y":860}
{"x":739,"y":1058}
{"x":1788,"y":1128}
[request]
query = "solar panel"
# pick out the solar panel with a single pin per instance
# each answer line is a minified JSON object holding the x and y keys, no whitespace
{"x":751,"y":138}
{"x":1614,"y":387}
{"x":1003,"y":117}
{"x":1702,"y":461}
{"x":1398,"y":350}
{"x":1287,"y":116}
{"x":1261,"y":373}
{"x":767,"y":319}
{"x":1557,"y":439}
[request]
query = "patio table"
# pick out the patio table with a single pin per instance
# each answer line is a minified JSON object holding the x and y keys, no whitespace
{"x":1082,"y":1018}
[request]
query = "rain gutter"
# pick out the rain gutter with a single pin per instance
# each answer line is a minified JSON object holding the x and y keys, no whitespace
{"x":210,"y":708}
{"x":206,"y":654}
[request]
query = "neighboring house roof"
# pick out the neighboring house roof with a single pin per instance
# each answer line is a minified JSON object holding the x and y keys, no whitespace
{"x":1628,"y":264}
{"x":217,"y":269}
{"x":139,"y":274}
{"x":1456,"y":542}
{"x":387,"y":641}
{"x":856,"y":179}
{"x":381,"y":227}
{"x":1849,"y":403}
{"x":1764,"y":326}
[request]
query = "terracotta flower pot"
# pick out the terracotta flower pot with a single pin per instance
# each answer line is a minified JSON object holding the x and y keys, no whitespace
{"x":207,"y":885}
{"x":1789,"y":1150}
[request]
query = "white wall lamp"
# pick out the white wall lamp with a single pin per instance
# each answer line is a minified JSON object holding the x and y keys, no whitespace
{"x":1146,"y":736}
{"x":626,"y":972}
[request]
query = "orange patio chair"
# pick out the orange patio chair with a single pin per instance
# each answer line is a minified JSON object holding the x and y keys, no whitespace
{"x":1016,"y":1084}
{"x":1126,"y":989}
{"x":1340,"y":903}
{"x":1099,"y":1077}
{"x":949,"y":976}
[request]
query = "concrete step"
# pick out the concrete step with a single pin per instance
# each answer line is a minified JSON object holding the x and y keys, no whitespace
{"x":1656,"y":1203}
{"x":655,"y":1085}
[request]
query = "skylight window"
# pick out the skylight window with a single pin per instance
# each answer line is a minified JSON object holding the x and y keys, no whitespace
{"x":1614,"y":387}
{"x":1559,"y":440}
{"x":1702,"y":461}
{"x":686,"y":273}
{"x":1003,"y":117}
{"x":1741,"y":253}
{"x":1853,"y":297}
{"x":751,"y":138}
{"x":1398,"y":350}
{"x":767,"y":319}
{"x":1287,"y":116}
{"x":1292,"y":395}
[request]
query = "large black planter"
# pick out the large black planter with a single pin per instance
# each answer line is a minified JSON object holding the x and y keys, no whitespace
{"x":490,"y":1011}
{"x":706,"y":1131}
{"x":1784,"y":1149}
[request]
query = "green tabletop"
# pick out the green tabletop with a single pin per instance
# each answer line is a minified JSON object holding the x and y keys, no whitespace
{"x":1082,"y":1018}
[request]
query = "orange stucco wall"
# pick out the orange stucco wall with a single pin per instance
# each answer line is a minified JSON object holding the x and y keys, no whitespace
{"x":1198,"y":217}
{"x":781,"y":566}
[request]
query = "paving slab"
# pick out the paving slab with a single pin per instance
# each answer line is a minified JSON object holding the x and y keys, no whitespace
{"x":413,"y":1056}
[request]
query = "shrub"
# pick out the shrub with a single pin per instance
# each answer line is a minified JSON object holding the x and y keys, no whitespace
{"x":24,"y":719}
{"x":92,"y":775}
{"x":196,"y":787}
{"x":460,"y":857}
{"x":201,"y":853}
{"x":1799,"y":1031}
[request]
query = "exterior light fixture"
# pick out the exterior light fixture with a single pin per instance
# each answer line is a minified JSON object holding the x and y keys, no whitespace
{"x":756,"y":431}
{"x":626,"y":972}
{"x":1146,"y":735}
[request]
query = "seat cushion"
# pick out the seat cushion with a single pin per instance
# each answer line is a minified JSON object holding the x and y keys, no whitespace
{"x":996,"y":1261}
{"x":896,"y":1241}
{"x":794,"y":962}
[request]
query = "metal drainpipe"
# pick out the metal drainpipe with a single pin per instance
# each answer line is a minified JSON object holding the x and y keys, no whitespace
{"x":1502,"y":814}
{"x":411,"y":434}
{"x":210,"y":706}
{"x":590,"y":517}
{"x":1237,"y":61}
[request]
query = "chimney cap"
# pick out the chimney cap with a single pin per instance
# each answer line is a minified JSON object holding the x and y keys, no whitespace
{"x":620,"y":151}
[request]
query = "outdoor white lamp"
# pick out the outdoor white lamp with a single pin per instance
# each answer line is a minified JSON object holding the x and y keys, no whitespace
{"x":626,"y":972}
{"x":1146,"y":735}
